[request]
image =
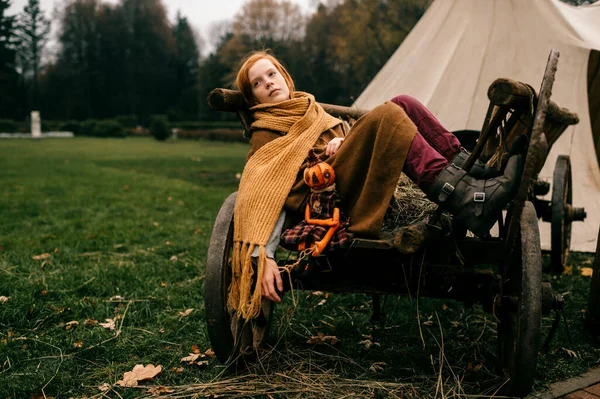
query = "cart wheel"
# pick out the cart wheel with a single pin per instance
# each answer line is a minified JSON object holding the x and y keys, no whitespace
{"x":229,"y":335}
{"x":562,"y":200}
{"x":521,"y":308}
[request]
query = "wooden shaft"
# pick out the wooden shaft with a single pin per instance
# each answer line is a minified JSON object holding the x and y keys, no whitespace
{"x":232,"y":101}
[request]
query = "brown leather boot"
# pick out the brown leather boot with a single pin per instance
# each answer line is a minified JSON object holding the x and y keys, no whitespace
{"x":476,"y":203}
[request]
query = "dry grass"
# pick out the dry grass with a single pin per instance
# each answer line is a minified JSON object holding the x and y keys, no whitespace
{"x":408,"y":206}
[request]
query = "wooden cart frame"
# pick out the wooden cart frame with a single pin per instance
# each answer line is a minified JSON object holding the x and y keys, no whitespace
{"x":502,"y":273}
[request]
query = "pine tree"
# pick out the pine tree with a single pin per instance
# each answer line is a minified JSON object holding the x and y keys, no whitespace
{"x":32,"y":30}
{"x":8,"y":74}
{"x":186,"y":64}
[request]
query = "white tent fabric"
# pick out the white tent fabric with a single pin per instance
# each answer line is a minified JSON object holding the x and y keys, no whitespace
{"x":459,"y":47}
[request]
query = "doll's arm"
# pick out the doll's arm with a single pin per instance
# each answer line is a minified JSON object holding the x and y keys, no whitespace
{"x":334,"y":221}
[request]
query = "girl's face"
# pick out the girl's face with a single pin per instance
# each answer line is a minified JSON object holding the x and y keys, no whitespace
{"x":268,"y":85}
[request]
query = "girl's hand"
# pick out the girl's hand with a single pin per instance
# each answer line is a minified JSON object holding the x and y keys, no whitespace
{"x":333,"y":146}
{"x":272,"y":277}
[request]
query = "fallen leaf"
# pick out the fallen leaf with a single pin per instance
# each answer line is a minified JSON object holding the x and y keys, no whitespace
{"x":155,"y":391}
{"x":210,"y":353}
{"x":428,"y":323}
{"x":191,"y":358}
{"x":78,"y":344}
{"x":167,"y":242}
{"x":4,"y":299}
{"x":109,"y":325}
{"x":444,"y":307}
{"x":368,"y":343}
{"x":202,"y":363}
{"x":186,"y":313}
{"x":177,"y":369}
{"x":322,"y":339}
{"x":41,"y":256}
{"x":570,"y":352}
{"x":44,"y":293}
{"x":90,"y":322}
{"x":71,"y":324}
{"x":173,"y":258}
{"x":475,"y":368}
{"x":587,"y":271}
{"x":195,"y":349}
{"x":322,"y":302}
{"x":104,"y":387}
{"x":377,"y":366}
{"x":568,"y":271}
{"x":139,"y":373}
{"x":55,"y":250}
{"x":163,"y":284}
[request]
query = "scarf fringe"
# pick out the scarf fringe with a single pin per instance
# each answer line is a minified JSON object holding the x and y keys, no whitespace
{"x":245,"y":292}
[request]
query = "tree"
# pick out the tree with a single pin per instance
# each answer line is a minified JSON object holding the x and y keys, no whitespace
{"x":186,"y":64}
{"x":8,"y":73}
{"x":214,"y":73}
{"x":32,"y":30}
{"x":78,"y":59}
{"x":352,"y":39}
{"x":148,"y":46}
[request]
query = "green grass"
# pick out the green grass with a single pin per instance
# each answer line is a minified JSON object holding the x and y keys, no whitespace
{"x":132,"y":218}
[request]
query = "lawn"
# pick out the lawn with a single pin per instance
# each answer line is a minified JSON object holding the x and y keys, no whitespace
{"x":102,"y":254}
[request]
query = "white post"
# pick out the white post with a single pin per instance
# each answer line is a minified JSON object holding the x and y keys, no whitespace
{"x":36,"y":125}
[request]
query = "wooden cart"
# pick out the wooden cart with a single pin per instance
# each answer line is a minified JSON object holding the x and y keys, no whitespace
{"x":503,"y":273}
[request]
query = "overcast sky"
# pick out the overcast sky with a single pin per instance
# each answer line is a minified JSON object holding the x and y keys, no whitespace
{"x":200,"y":13}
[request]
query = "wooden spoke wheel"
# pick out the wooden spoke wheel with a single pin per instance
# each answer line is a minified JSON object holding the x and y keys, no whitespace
{"x":230,"y":336}
{"x":561,"y":205}
{"x":521,"y":308}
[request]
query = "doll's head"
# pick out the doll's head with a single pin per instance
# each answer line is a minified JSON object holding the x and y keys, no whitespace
{"x":318,"y":174}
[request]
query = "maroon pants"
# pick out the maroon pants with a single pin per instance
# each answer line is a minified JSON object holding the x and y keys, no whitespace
{"x":433,"y":146}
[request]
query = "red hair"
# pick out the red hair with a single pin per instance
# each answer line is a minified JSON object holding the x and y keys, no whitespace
{"x":243,"y":83}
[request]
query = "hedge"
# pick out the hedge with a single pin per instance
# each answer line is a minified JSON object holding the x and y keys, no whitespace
{"x":8,"y":126}
{"x":203,"y":125}
{"x":228,"y":135}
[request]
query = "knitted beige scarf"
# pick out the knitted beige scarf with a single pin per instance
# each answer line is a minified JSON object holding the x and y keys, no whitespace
{"x":265,"y":184}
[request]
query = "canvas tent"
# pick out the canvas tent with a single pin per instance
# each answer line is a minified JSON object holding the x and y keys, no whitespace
{"x":459,"y":47}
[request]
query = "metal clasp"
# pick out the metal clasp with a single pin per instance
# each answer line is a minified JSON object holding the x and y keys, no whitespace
{"x":448,"y":188}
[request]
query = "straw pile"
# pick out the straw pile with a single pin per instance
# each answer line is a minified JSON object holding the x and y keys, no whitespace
{"x":408,"y":206}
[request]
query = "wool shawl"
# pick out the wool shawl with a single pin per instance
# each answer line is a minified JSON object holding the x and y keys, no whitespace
{"x":265,"y":184}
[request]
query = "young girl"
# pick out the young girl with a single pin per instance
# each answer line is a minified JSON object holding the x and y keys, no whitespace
{"x":398,"y":136}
